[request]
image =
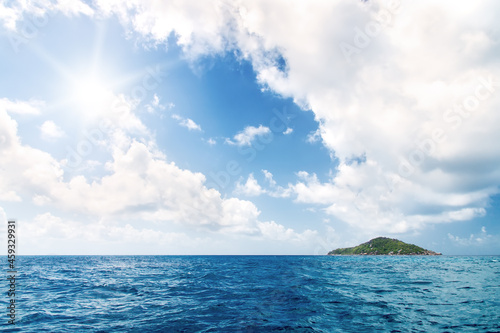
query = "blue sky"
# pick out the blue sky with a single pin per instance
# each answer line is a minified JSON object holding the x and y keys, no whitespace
{"x":137,"y":128}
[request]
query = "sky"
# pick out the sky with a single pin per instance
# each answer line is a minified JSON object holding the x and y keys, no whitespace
{"x":249,"y":127}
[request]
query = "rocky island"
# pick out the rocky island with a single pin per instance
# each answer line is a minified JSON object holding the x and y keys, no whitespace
{"x":384,"y":246}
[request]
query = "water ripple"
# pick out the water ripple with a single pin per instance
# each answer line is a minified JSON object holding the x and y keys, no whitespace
{"x":258,"y":294}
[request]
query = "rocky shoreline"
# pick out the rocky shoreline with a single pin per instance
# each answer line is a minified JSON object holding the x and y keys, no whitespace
{"x":425,"y":253}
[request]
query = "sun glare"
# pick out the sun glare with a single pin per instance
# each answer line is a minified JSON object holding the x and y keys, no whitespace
{"x":92,"y":95}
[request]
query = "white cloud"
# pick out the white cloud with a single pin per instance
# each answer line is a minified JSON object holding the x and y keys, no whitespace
{"x":250,"y":188}
{"x":48,"y":225}
{"x":385,"y":105}
{"x":391,"y":105}
{"x":289,"y":130}
{"x":47,"y":229}
{"x":480,"y":239}
{"x":140,"y":184}
{"x":199,"y":26}
{"x":11,"y":196}
{"x":248,"y":135}
{"x":187,"y":122}
{"x":211,"y":141}
{"x":154,"y":104}
{"x":156,"y":101}
{"x":365,"y":200}
{"x":392,"y":110}
{"x":274,"y":231}
{"x":73,"y":7}
{"x":275,"y":190}
{"x":47,"y":232}
{"x":31,"y":107}
{"x":98,"y":106}
{"x":269,"y":178}
{"x":50,"y":131}
{"x":314,"y":136}
{"x":9,"y":17}
{"x":13,"y":14}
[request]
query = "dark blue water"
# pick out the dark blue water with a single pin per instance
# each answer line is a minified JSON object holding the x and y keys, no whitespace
{"x":257,"y":294}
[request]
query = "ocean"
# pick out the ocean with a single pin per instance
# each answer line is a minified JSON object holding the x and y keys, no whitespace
{"x":256,"y":294}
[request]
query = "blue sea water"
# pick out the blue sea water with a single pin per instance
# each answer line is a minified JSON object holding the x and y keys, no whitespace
{"x":256,"y":294}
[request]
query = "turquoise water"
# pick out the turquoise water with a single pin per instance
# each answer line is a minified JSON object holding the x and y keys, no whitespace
{"x":256,"y":294}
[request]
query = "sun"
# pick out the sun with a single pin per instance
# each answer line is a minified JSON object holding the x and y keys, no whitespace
{"x":92,"y":95}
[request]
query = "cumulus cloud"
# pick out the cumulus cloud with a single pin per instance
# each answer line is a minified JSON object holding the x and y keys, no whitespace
{"x":31,"y":107}
{"x":250,"y":188}
{"x":275,"y":190}
{"x":479,"y":239}
{"x":154,"y":104}
{"x":248,"y":135}
{"x":407,"y":89}
{"x":47,"y":225}
{"x":45,"y":229}
{"x":368,"y":202}
{"x":274,"y":231}
{"x":11,"y":13}
{"x":314,"y":136}
{"x":397,"y":115}
{"x":49,"y":233}
{"x":289,"y":130}
{"x":405,"y":94}
{"x":11,"y":196}
{"x":140,"y":183}
{"x":50,"y":131}
{"x":187,"y":122}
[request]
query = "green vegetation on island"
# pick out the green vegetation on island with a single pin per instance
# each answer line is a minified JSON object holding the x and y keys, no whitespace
{"x":384,"y":246}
